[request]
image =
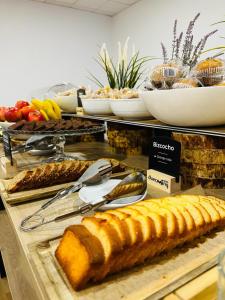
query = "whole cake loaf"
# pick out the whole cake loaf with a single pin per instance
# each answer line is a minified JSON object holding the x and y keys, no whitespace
{"x":202,"y":160}
{"x":211,"y":171}
{"x":118,"y":239}
{"x":207,"y":183}
{"x":54,"y":173}
{"x":195,"y":141}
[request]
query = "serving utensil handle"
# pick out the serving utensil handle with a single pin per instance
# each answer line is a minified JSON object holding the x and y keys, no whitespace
{"x":63,"y":193}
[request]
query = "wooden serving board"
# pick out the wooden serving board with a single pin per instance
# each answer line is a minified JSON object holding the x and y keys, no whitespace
{"x":24,"y":196}
{"x":152,"y":281}
{"x":41,"y":193}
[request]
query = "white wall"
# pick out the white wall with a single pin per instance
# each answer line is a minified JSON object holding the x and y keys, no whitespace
{"x":149,"y":22}
{"x":42,"y":44}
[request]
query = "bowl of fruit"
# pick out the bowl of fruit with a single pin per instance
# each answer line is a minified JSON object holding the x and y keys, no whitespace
{"x":36,"y":111}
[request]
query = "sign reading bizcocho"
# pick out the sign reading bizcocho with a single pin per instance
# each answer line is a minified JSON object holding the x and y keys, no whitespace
{"x":165,"y":156}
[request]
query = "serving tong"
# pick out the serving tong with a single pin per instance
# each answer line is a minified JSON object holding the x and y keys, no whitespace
{"x":98,"y":172}
{"x":104,"y":172}
{"x":135,"y":177}
{"x":47,"y":142}
{"x":42,"y":142}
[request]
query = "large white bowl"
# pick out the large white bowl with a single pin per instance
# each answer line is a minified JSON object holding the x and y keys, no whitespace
{"x":203,"y":106}
{"x":97,"y":106}
{"x":132,"y":109}
{"x":67,"y":103}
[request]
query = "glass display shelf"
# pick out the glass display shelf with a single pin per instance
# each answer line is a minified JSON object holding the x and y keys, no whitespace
{"x":155,"y":124}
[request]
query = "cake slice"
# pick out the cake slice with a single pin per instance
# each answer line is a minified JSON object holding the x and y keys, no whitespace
{"x":79,"y":253}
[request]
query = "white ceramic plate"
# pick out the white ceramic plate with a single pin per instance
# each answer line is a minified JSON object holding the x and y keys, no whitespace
{"x":190,"y":107}
{"x":94,"y":194}
{"x":67,"y":103}
{"x":132,"y":109}
{"x":97,"y":106}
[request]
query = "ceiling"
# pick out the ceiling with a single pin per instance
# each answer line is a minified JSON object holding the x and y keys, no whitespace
{"x":104,"y":7}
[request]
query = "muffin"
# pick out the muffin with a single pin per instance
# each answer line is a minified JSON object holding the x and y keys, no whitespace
{"x":163,"y":76}
{"x":210,"y":71}
{"x":185,"y":83}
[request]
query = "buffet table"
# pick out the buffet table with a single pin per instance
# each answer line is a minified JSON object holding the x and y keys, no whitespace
{"x":15,"y":246}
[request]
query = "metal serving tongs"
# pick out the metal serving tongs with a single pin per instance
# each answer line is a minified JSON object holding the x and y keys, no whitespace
{"x":95,"y":174}
{"x":41,"y":141}
{"x":115,"y":194}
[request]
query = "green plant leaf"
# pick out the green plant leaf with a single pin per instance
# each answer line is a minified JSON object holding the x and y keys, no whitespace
{"x":212,"y":49}
{"x":218,"y":23}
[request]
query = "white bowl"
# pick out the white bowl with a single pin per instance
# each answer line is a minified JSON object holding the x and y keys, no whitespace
{"x":67,"y":103}
{"x":96,"y":106}
{"x":132,"y":109}
{"x":203,"y":106}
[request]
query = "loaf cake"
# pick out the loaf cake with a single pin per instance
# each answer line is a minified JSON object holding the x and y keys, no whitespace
{"x":212,"y":171}
{"x":195,"y":141}
{"x":204,"y":156}
{"x":54,"y":173}
{"x":202,"y":160}
{"x":119,"y":239}
{"x":128,"y":140}
{"x":206,"y":183}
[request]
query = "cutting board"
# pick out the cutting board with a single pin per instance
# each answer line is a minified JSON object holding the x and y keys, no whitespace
{"x":152,"y":281}
{"x":24,"y":196}
{"x":41,"y":193}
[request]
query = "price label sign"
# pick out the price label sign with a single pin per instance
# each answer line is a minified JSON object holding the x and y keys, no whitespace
{"x":79,"y":93}
{"x":7,"y":146}
{"x":165,"y":156}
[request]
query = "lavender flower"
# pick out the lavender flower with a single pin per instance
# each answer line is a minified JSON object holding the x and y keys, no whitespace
{"x":190,"y":52}
{"x":174,"y":37}
{"x":165,"y":57}
{"x":178,"y":43}
{"x":205,"y":40}
{"x":194,"y":57}
{"x":187,"y":44}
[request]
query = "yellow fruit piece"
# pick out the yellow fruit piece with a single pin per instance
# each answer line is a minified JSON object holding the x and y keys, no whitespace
{"x":38,"y":104}
{"x":55,"y":107}
{"x":47,"y":107}
{"x":44,"y":114}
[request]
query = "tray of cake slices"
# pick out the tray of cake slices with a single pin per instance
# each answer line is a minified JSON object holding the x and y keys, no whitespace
{"x":46,"y":179}
{"x":62,"y":127}
{"x":142,"y":251}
